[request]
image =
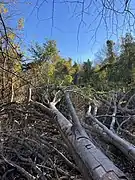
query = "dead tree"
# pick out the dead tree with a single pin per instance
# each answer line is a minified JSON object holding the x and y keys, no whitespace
{"x":127,"y":148}
{"x":91,"y":162}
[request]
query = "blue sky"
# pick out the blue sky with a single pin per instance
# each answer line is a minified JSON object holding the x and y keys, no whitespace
{"x":64,"y":27}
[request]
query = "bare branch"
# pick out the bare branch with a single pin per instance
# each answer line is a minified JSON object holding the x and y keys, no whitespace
{"x":20,"y":169}
{"x":114,"y":113}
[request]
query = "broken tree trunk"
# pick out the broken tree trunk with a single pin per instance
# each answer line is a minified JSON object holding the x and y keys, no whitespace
{"x":90,"y":160}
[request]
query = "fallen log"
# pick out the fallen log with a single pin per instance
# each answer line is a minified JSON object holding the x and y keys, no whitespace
{"x":92,"y":163}
{"x":127,"y":148}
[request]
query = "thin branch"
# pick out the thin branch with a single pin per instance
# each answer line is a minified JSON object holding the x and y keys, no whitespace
{"x":17,"y":75}
{"x":5,"y":30}
{"x":55,"y":100}
{"x":20,"y":169}
{"x":125,"y":121}
{"x":114,"y":114}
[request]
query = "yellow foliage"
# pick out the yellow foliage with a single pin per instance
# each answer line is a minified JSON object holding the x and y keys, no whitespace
{"x":11,"y":36}
{"x":17,"y":67}
{"x":68,"y":79}
{"x":51,"y":70}
{"x":20,"y":23}
{"x":3,"y":9}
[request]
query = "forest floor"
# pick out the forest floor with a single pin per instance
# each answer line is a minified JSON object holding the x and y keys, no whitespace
{"x":32,"y":147}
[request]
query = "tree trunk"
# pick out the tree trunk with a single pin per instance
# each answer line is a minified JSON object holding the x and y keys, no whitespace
{"x":90,"y":160}
{"x":127,"y":148}
{"x":92,"y":163}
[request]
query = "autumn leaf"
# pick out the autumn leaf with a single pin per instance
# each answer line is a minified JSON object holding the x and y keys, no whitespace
{"x":5,"y":10}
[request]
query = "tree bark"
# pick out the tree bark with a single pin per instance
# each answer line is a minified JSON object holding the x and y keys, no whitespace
{"x":90,"y":160}
{"x":92,"y":163}
{"x":127,"y":148}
